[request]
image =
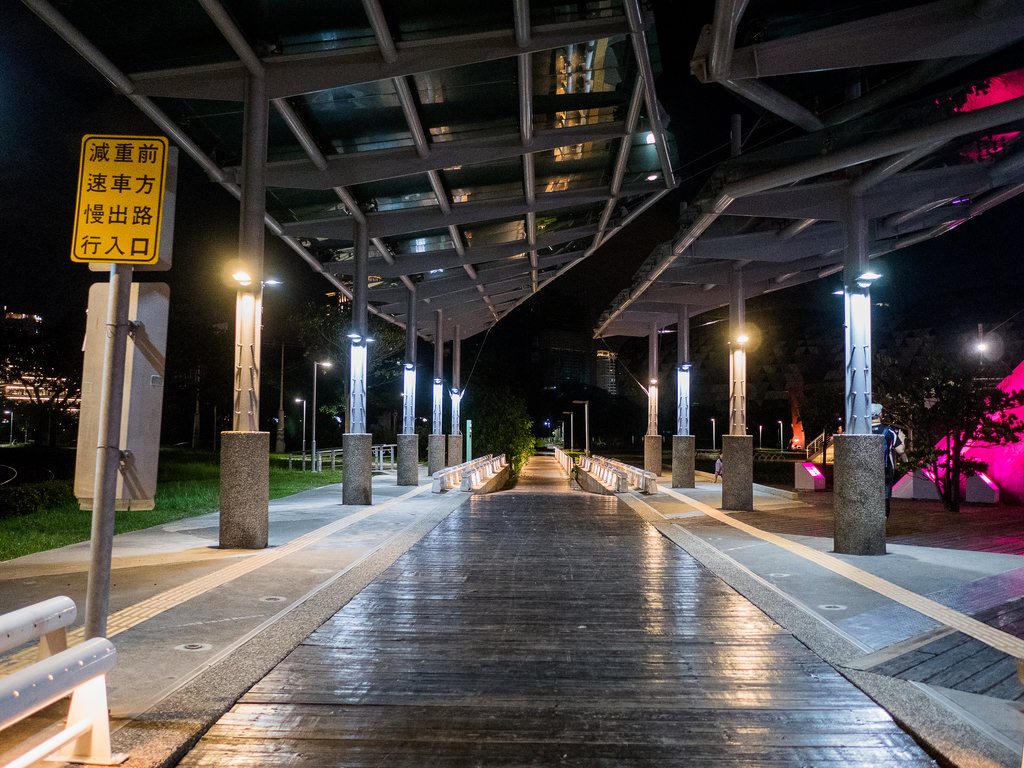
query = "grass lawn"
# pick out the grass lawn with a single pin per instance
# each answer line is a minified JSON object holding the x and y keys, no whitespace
{"x":188,"y":485}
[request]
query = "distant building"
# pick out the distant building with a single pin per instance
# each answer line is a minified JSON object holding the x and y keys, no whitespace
{"x":605,"y":371}
{"x":564,"y":357}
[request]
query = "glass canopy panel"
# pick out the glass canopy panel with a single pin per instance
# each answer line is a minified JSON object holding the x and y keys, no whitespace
{"x":424,"y":242}
{"x":122,"y":30}
{"x":550,"y":12}
{"x":216,"y":126}
{"x":395,"y":194}
{"x":584,"y":165}
{"x":301,"y":26}
{"x":356,"y":118}
{"x":468,"y":101}
{"x":497,"y":180}
{"x":286,"y":204}
{"x":582,"y":84}
{"x":411,"y":20}
{"x":495,"y":232}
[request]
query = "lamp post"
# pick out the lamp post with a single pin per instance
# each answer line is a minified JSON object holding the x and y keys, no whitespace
{"x":10,"y":416}
{"x":570,"y":414}
{"x":586,"y":425}
{"x":760,"y":436}
{"x":303,"y":401}
{"x":316,"y":364}
{"x":712,"y":434}
{"x":780,"y":436}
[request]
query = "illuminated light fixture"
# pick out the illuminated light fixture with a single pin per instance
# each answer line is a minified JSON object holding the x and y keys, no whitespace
{"x":838,"y":292}
{"x":685,"y":366}
{"x":437,"y":382}
{"x":654,"y":382}
{"x":653,"y":177}
{"x":650,"y":139}
{"x":866,"y":278}
{"x":325,"y":363}
{"x":353,"y":335}
{"x":409,"y":366}
{"x":743,"y":338}
{"x":369,"y":339}
{"x":242,"y":278}
{"x":981,"y":346}
{"x":272,"y":281}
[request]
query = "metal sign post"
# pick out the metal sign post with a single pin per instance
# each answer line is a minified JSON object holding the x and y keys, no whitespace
{"x":118,"y":213}
{"x":108,"y":452}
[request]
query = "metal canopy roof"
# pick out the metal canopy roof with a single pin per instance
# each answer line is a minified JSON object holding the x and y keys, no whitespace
{"x":911,"y":110}
{"x":488,"y":147}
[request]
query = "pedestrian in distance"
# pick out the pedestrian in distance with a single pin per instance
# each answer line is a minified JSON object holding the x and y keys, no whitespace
{"x":718,"y":468}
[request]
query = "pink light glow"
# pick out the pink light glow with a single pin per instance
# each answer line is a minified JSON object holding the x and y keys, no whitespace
{"x":1005,"y":463}
{"x":995,"y":91}
{"x":812,"y":470}
{"x":987,"y":481}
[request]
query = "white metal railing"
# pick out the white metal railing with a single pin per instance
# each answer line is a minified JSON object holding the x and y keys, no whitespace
{"x":480,"y":474}
{"x":641,"y":479}
{"x":564,"y":460}
{"x":331,"y":455}
{"x":819,"y":445}
{"x":451,"y":477}
{"x":610,"y":477}
{"x":78,"y":672}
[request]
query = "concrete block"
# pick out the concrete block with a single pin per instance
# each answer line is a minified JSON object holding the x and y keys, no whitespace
{"x":454,"y":451}
{"x":408,"y":460}
{"x":979,"y":489}
{"x":652,"y":453}
{"x":683,"y":454}
{"x":435,"y":453}
{"x":807,"y":477}
{"x":859,"y":498}
{"x":244,"y":489}
{"x":357,"y":468}
{"x":915,"y":485}
{"x":738,"y":472}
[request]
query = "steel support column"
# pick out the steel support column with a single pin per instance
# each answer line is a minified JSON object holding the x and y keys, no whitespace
{"x":245,"y":451}
{"x":652,"y":440}
{"x":357,"y":445}
{"x":436,"y":441}
{"x":737,"y":356}
{"x":683,"y":443}
{"x":409,"y":382}
{"x":455,"y":441}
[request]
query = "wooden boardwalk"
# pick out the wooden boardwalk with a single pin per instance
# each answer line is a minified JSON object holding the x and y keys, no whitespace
{"x":545,"y":627}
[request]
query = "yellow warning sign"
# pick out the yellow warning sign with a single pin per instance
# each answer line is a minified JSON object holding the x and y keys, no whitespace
{"x":120,"y":199}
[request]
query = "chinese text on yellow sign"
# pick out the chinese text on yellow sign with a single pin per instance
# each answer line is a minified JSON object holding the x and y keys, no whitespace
{"x":120,"y":198}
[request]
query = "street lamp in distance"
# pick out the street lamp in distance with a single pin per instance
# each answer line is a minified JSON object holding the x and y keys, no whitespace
{"x":303,"y":401}
{"x":10,"y":418}
{"x":316,"y":364}
{"x":712,"y":433}
{"x":586,"y":419}
{"x":780,"y":436}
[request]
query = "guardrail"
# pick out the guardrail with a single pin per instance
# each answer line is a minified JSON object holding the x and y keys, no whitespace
{"x":633,"y":477}
{"x":470,"y":475}
{"x":78,"y":672}
{"x":564,"y":460}
{"x":379,"y":452}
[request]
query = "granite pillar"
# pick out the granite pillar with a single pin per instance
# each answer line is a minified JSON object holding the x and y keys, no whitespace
{"x":409,"y":459}
{"x":683,"y":455}
{"x":244,"y":489}
{"x":357,"y":468}
{"x":738,"y":472}
{"x":454,"y":450}
{"x":652,"y":453}
{"x":435,"y":453}
{"x":859,"y":495}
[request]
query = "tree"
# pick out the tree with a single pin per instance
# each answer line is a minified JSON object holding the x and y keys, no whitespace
{"x":501,"y":423}
{"x":947,"y":410}
{"x":322,"y":332}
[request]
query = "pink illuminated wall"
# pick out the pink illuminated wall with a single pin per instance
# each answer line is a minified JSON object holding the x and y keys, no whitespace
{"x":1006,"y":464}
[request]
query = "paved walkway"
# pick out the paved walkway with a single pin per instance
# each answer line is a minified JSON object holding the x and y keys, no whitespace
{"x":547,"y":627}
{"x":196,"y":627}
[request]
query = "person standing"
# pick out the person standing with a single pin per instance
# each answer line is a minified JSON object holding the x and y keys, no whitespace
{"x":718,"y":468}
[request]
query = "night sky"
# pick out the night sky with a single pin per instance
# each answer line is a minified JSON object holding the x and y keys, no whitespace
{"x":49,"y":98}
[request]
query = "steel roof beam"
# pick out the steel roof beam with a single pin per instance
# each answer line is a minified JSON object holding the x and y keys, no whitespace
{"x":406,"y":221}
{"x":637,"y":29}
{"x":308,"y":72}
{"x":937,"y":30}
{"x":363,"y":167}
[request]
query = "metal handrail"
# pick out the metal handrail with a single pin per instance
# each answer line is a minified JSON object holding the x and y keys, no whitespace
{"x":451,"y":477}
{"x":565,"y":461}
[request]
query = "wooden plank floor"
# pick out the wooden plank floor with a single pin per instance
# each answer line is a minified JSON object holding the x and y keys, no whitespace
{"x":543,"y":627}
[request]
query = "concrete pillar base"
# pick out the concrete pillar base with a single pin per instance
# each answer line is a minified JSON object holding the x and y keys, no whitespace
{"x":454,"y":450}
{"x":357,"y":468}
{"x":738,"y":472}
{"x":652,"y":453}
{"x":435,"y":453}
{"x":244,"y":489}
{"x":859,"y":495}
{"x":408,"y":460}
{"x":683,"y":454}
